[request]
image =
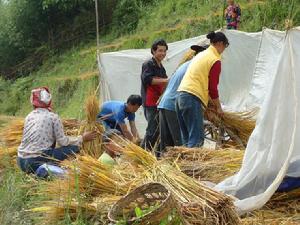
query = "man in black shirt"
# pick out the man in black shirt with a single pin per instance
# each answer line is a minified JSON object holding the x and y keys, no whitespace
{"x":154,"y":80}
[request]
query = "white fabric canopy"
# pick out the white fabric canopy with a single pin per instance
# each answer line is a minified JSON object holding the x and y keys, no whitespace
{"x":258,"y":70}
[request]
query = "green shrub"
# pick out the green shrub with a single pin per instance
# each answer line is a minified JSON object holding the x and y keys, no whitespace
{"x":126,"y":16}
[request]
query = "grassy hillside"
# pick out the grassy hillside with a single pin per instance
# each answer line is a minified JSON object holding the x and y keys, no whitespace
{"x":73,"y":75}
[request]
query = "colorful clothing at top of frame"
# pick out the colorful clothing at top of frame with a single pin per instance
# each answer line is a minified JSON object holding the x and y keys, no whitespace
{"x":233,"y":16}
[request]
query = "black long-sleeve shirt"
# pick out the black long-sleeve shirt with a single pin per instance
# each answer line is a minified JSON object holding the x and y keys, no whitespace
{"x":150,"y":93}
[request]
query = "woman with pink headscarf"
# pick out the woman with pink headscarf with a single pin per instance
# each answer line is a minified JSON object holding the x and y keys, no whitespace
{"x":43,"y":129}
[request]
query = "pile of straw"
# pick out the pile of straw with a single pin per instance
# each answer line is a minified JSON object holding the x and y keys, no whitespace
{"x":206,"y":164}
{"x":89,"y":182}
{"x":12,"y":134}
{"x":92,"y":148}
{"x":93,"y":178}
{"x":198,"y":204}
{"x":57,"y":210}
{"x":238,"y":125}
{"x":282,"y":208}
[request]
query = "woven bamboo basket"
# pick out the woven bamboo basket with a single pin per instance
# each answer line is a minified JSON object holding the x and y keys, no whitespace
{"x":143,"y":197}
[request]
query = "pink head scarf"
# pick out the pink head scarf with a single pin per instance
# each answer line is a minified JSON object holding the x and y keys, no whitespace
{"x":41,"y":98}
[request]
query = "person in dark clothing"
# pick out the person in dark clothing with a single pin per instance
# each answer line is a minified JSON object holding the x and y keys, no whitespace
{"x":168,"y":123}
{"x":154,"y":80}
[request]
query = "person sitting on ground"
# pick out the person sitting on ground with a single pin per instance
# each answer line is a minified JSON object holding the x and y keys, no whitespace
{"x":168,"y":123}
{"x":42,"y":130}
{"x":232,"y":15}
{"x":153,"y":81}
{"x":113,"y":114}
{"x":199,"y":86}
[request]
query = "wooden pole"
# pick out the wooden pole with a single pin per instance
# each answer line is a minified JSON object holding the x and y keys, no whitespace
{"x":97,"y":24}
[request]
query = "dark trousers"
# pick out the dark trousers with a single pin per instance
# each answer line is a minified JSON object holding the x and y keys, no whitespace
{"x":190,"y":117}
{"x":51,"y":156}
{"x":169,"y":129}
{"x":152,"y":132}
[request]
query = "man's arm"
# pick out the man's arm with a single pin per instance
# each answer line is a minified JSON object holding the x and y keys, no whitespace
{"x":156,"y":81}
{"x":125,"y":131}
{"x":149,"y":77}
{"x":134,"y":131}
{"x":217,"y":105}
{"x":214,"y":76}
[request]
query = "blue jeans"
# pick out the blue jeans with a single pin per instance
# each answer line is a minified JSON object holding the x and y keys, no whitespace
{"x":51,"y":156}
{"x":190,"y":117}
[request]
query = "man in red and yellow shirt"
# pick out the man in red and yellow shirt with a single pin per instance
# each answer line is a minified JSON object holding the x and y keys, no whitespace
{"x":154,"y":80}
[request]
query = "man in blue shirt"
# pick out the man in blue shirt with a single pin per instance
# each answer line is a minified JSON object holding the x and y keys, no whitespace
{"x":113,"y":114}
{"x":168,"y":122}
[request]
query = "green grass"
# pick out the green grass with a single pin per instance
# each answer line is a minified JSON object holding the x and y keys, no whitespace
{"x":15,"y":194}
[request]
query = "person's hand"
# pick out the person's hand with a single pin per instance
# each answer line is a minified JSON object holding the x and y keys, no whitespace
{"x":210,"y":115}
{"x":89,"y":136}
{"x":220,"y":112}
{"x":137,"y":141}
{"x":113,"y":149}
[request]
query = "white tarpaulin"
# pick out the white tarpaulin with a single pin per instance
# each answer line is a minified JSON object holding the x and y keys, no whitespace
{"x":258,"y":69}
{"x":273,"y":150}
{"x":247,"y":69}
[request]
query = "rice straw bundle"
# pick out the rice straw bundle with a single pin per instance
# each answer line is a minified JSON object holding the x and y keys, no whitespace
{"x":90,"y":177}
{"x":199,"y":204}
{"x":206,"y":164}
{"x":71,"y":126}
{"x":137,"y":155}
{"x":92,"y":148}
{"x":238,"y":125}
{"x":187,"y":56}
{"x":12,"y":134}
{"x":10,"y":152}
{"x":276,"y":219}
{"x":272,"y":216}
{"x":54,"y":211}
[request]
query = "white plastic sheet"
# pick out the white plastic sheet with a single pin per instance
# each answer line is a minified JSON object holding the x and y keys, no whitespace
{"x":274,"y":146}
{"x":247,"y":68}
